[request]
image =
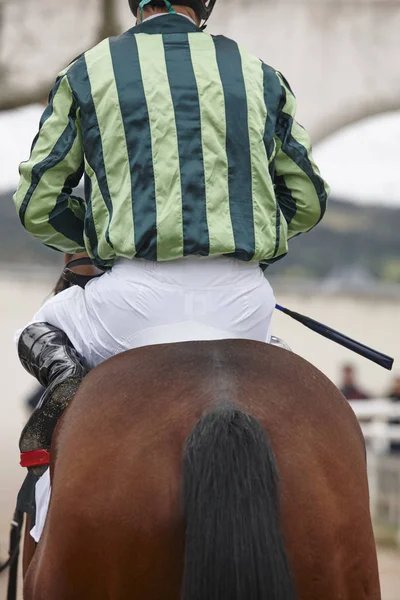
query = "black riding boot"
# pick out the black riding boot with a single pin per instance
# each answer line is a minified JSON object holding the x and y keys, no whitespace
{"x":46,"y":353}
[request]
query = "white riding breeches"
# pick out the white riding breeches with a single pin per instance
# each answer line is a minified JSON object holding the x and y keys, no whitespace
{"x":119,"y":310}
{"x":140,"y":302}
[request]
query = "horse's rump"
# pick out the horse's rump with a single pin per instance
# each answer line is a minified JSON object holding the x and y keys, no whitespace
{"x":117,"y":502}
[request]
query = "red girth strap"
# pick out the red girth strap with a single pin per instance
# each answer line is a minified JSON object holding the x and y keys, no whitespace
{"x":35,"y":458}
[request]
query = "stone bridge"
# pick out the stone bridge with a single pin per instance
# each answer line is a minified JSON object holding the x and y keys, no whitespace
{"x":342,"y":57}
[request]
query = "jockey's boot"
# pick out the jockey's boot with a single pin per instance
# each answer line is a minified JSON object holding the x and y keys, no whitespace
{"x":46,"y":353}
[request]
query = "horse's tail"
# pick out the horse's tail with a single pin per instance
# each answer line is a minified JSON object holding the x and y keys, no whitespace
{"x":234,"y":545}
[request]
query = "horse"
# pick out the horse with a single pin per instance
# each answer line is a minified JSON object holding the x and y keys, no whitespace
{"x":209,"y":470}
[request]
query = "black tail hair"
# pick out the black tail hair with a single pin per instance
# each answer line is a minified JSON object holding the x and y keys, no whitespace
{"x":234,"y":545}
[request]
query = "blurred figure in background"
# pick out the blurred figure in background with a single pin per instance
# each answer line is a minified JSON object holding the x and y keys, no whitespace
{"x":349,"y":387}
{"x":394,"y":395}
{"x":394,"y":392}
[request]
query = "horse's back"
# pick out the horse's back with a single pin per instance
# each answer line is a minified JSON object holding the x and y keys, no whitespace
{"x":119,"y":451}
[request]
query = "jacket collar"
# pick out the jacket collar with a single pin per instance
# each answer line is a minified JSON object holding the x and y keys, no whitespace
{"x":166,"y":24}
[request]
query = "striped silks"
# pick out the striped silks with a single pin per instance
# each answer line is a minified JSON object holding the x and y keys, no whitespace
{"x":189,"y":146}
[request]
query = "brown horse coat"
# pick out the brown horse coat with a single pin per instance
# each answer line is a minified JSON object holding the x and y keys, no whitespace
{"x":115,"y":528}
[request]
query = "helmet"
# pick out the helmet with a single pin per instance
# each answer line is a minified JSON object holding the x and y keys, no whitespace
{"x":203,"y":8}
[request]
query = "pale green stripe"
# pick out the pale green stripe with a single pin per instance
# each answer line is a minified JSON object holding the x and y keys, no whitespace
{"x":65,"y":71}
{"x":77,"y":208}
{"x":284,"y":235}
{"x":302,"y":191}
{"x":302,"y":137}
{"x":44,"y":198}
{"x":283,"y":240}
{"x":284,"y":228}
{"x":273,"y":154}
{"x":213,"y":127}
{"x":301,"y":186}
{"x":264,"y":201}
{"x":299,"y":133}
{"x":100,"y":216}
{"x":88,"y":248}
{"x":115,"y":151}
{"x":50,"y":133}
{"x":164,"y":139}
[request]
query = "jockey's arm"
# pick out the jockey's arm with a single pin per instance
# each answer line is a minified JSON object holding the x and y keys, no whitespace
{"x":300,"y":190}
{"x":43,"y":199}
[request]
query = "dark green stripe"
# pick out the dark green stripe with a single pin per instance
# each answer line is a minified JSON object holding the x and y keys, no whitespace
{"x":61,"y":218}
{"x":272,"y":98}
{"x":277,"y":229}
{"x":133,"y":105}
{"x":237,"y":147}
{"x":186,"y":103}
{"x":50,"y":107}
{"x":48,"y":112}
{"x":285,"y":199}
{"x":57,"y":155}
{"x":271,"y":261}
{"x":90,"y":230}
{"x":78,"y":78}
{"x":298,"y":154}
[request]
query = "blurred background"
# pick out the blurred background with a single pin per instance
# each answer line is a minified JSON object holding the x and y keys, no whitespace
{"x":341,"y":59}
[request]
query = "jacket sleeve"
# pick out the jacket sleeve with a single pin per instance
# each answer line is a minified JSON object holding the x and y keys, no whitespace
{"x":43,"y":199}
{"x":300,"y":190}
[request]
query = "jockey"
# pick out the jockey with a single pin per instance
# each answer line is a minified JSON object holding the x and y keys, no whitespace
{"x":196,"y":175}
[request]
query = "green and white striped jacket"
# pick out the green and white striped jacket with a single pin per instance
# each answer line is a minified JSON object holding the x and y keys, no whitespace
{"x":189,"y":146}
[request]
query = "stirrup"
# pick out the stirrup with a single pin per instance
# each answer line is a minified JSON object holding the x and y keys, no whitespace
{"x":38,"y":431}
{"x":275,"y":341}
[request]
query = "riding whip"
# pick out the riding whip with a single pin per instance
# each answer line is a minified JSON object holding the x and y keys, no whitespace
{"x":377,"y":357}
